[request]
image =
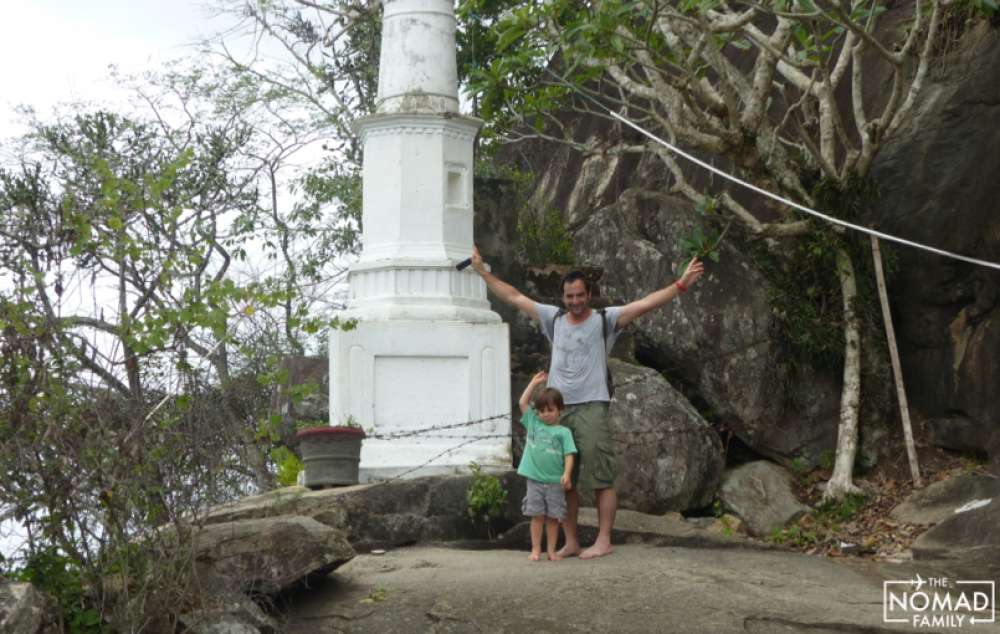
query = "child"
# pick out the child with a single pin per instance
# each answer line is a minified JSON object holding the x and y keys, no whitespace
{"x":547,"y":463}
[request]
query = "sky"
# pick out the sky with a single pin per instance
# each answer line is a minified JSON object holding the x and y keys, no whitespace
{"x":56,"y":51}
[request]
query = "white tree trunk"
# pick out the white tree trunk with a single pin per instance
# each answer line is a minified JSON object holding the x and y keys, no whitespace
{"x":841,"y":482}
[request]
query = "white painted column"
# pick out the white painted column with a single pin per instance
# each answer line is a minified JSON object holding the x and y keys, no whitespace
{"x":427,"y":351}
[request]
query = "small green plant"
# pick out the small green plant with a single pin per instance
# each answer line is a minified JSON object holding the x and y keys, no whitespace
{"x":377,"y":595}
{"x":545,"y":239}
{"x":794,"y":535}
{"x":288,"y":465}
{"x":486,"y":497}
{"x":827,"y":458}
{"x":704,"y":245}
{"x":717,"y":509}
{"x":832,"y":512}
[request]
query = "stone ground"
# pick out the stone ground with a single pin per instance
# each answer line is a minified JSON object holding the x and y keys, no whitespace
{"x":639,"y":588}
{"x":664,"y":576}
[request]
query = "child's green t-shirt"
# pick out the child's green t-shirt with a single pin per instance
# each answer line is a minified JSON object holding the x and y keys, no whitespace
{"x":544,"y":449}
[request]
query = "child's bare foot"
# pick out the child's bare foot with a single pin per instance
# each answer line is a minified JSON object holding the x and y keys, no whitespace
{"x":569,"y":550}
{"x":553,"y":556}
{"x":597,"y":550}
{"x":535,"y":556}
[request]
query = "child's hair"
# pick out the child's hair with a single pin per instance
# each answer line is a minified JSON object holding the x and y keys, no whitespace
{"x":550,"y":397}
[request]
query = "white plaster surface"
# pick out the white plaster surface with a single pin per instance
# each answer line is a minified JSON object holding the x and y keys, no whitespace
{"x":414,"y":386}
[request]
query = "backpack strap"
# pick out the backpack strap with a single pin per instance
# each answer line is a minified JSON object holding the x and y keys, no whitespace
{"x":604,"y":338}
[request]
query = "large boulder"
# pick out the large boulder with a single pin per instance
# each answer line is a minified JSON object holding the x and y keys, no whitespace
{"x":669,"y":457}
{"x":966,"y":544}
{"x":387,"y":514}
{"x":938,"y":186}
{"x":938,"y":501}
{"x":26,"y":610}
{"x":760,"y":493}
{"x":268,"y":555}
{"x":720,"y":338}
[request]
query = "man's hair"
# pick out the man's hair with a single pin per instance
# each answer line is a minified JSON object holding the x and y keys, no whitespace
{"x":550,"y":397}
{"x":573,"y":276}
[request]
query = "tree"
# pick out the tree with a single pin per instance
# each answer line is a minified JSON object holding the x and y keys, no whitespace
{"x":776,"y":88}
{"x":131,"y":352}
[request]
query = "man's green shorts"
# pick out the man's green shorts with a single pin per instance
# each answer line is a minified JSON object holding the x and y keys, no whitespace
{"x":596,"y":466}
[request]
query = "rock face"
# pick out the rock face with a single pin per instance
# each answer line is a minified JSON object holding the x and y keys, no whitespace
{"x":939,"y":187}
{"x":26,"y":610}
{"x":268,"y":555}
{"x":669,"y":457}
{"x":761,"y":494}
{"x":720,"y":338}
{"x":390,"y":514}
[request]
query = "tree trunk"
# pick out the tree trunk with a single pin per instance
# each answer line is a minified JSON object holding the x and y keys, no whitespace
{"x":841,"y":483}
{"x":897,"y":371}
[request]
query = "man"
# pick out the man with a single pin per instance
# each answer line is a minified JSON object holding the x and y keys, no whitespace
{"x":579,"y":371}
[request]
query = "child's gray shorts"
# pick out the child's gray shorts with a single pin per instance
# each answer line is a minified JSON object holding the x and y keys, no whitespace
{"x":544,"y":499}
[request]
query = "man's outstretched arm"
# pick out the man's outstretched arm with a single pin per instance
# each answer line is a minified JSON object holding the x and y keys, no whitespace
{"x":659,"y":298}
{"x":502,"y":289}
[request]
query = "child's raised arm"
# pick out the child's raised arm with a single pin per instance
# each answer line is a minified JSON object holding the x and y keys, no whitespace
{"x":525,"y":401}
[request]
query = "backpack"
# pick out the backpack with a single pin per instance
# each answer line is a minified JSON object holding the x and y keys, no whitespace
{"x":604,"y":338}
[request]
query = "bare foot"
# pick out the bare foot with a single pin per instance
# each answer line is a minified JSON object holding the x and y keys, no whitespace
{"x":535,"y":556}
{"x":555,"y":557}
{"x":568,"y":551}
{"x":597,"y":550}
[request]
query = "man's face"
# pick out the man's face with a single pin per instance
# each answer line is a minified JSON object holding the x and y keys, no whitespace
{"x":576,"y":298}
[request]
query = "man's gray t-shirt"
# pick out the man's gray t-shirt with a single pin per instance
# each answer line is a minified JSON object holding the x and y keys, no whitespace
{"x":579,"y":365}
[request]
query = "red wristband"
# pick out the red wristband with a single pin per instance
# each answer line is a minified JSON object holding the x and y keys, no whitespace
{"x":680,"y":286}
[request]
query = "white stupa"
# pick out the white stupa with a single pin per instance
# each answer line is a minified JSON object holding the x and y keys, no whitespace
{"x":427,"y":351}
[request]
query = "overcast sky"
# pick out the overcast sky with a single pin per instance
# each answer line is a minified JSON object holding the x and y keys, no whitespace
{"x":54,"y":51}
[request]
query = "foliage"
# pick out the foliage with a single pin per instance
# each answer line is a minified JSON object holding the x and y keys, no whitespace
{"x":61,"y":578}
{"x":984,"y":8}
{"x":288,"y":465}
{"x":545,"y":239}
{"x":486,"y":497}
{"x":819,"y":525}
{"x":130,"y":347}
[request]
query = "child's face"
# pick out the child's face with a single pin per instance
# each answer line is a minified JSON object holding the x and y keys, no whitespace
{"x":549,"y":415}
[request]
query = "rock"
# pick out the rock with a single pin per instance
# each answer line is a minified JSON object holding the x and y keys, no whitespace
{"x":669,"y":457}
{"x":938,"y":501}
{"x":955,"y":432}
{"x":26,"y":610}
{"x":720,"y":336}
{"x":938,"y":187}
{"x":761,"y":494}
{"x":966,"y":544}
{"x":230,"y":614}
{"x":265,"y":556}
{"x":384,"y":515}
